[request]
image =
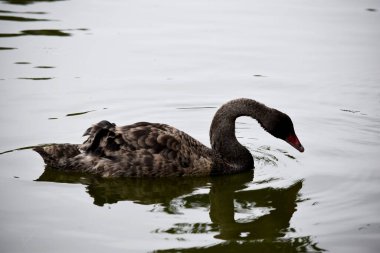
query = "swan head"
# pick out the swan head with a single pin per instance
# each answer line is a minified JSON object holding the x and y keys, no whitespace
{"x":281,"y":126}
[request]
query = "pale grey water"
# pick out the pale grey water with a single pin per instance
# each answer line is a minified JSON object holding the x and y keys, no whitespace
{"x":175,"y":62}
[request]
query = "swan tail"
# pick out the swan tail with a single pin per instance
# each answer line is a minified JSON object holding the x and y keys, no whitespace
{"x":57,"y":155}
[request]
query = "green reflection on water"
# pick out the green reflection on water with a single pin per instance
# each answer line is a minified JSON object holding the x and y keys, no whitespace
{"x":78,"y":113}
{"x":20,"y":19}
{"x":44,"y":32}
{"x":44,"y":67}
{"x":36,"y":78}
{"x":7,"y":48}
{"x":25,"y":2}
{"x":227,"y":199}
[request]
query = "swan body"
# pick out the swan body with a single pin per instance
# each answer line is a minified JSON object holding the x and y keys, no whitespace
{"x":157,"y":150}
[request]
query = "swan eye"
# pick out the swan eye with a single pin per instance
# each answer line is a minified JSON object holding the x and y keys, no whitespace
{"x":280,"y":125}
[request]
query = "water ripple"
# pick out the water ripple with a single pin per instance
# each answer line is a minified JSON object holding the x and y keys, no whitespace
{"x":26,"y":2}
{"x":21,"y":19}
{"x":43,"y":32}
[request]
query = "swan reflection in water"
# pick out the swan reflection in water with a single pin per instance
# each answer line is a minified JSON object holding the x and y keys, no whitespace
{"x":267,"y":211}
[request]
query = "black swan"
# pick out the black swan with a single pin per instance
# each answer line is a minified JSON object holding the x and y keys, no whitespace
{"x":157,"y":150}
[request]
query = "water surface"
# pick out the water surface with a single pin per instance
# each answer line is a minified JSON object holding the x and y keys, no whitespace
{"x":68,"y":64}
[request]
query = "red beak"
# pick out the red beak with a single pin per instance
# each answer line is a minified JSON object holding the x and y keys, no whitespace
{"x":293,"y":140}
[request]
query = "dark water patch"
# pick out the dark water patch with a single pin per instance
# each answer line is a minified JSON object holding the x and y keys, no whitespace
{"x":266,"y":233}
{"x":7,"y":48}
{"x":36,"y":78}
{"x":266,"y":181}
{"x":20,"y":19}
{"x":263,"y":155}
{"x":144,"y":191}
{"x":47,"y":32}
{"x":78,"y":113}
{"x":285,"y":153}
{"x":75,"y":114}
{"x":257,"y":75}
{"x":26,"y":2}
{"x":44,"y":32}
{"x":290,"y":156}
{"x":187,"y":228}
{"x":44,"y":67}
{"x":348,"y":110}
{"x":371,"y":9}
{"x":22,"y":62}
{"x":353,"y":111}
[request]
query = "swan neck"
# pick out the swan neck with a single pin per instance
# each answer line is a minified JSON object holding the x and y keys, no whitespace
{"x":222,"y":132}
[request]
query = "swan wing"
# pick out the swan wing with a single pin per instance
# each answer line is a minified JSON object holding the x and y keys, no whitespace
{"x":146,"y":149}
